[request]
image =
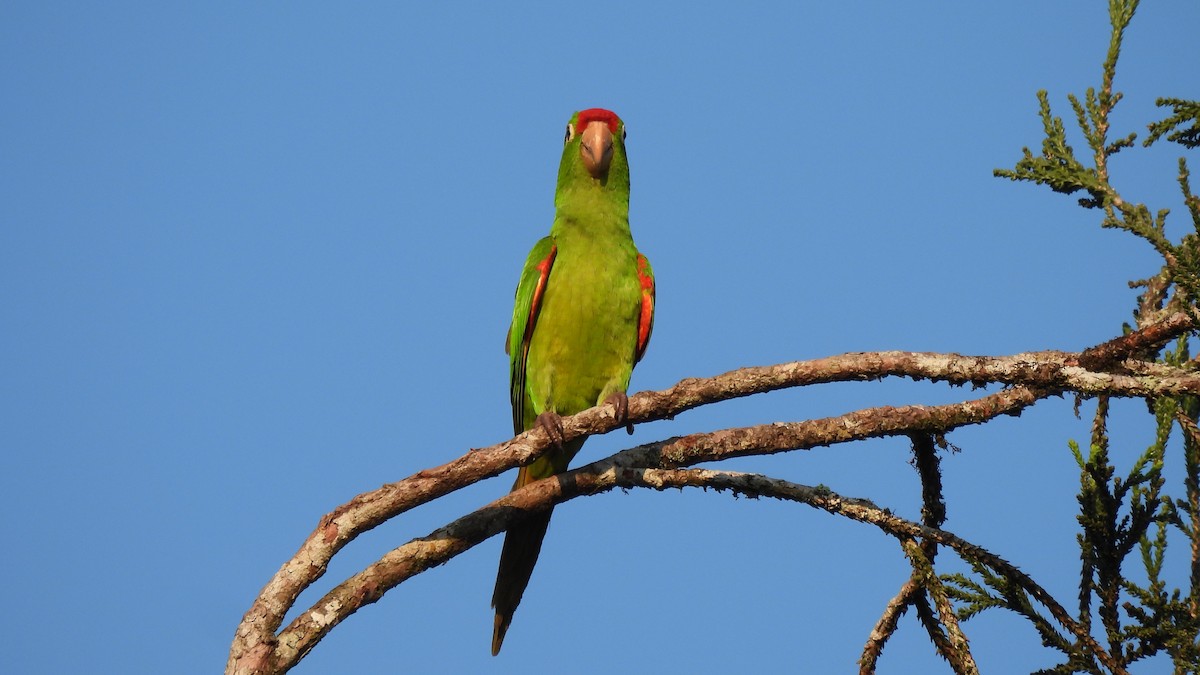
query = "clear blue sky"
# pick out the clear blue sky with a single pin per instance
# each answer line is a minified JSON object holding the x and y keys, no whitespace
{"x":257,"y":258}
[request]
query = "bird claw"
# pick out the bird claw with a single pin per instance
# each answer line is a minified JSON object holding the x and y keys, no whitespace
{"x":620,"y":403}
{"x":551,"y":423}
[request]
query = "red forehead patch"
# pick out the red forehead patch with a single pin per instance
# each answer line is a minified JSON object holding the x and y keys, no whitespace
{"x":598,"y":115}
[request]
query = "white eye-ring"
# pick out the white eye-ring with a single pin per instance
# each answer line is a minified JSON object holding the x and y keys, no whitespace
{"x":570,"y":133}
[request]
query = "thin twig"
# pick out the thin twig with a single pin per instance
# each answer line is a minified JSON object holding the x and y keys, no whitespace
{"x":887,"y":624}
{"x":958,"y":653}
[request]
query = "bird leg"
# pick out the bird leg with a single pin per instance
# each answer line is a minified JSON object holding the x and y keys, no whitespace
{"x":551,"y":423}
{"x":620,"y":403}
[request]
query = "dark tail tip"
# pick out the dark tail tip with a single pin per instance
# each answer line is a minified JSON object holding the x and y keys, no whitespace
{"x":518,"y":556}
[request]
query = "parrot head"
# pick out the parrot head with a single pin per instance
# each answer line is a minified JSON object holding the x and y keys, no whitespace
{"x":595,"y":150}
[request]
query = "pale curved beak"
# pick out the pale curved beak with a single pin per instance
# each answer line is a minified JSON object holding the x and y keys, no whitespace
{"x":596,"y":148}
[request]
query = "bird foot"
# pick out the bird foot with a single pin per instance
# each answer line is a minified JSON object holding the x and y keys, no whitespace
{"x":620,"y":403}
{"x":551,"y":423}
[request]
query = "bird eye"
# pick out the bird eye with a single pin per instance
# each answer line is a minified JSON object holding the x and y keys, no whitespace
{"x":570,"y":133}
{"x":624,"y":133}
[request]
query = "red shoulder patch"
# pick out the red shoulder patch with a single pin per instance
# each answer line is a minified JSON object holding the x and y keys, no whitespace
{"x":535,"y":305}
{"x":646,"y":317}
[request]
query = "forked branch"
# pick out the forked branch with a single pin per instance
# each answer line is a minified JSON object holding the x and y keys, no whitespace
{"x":257,"y":648}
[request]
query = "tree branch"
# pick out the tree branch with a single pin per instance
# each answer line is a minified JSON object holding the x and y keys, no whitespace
{"x":442,"y":544}
{"x":257,"y":649}
{"x":913,"y":591}
{"x":910,"y":593}
{"x":958,"y":649}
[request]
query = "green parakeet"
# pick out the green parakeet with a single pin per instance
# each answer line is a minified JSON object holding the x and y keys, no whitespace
{"x":583,"y":316}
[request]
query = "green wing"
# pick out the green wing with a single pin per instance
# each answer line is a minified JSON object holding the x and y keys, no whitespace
{"x":530,"y":291}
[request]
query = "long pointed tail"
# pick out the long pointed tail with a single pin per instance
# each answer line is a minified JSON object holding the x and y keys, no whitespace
{"x":522,"y":544}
